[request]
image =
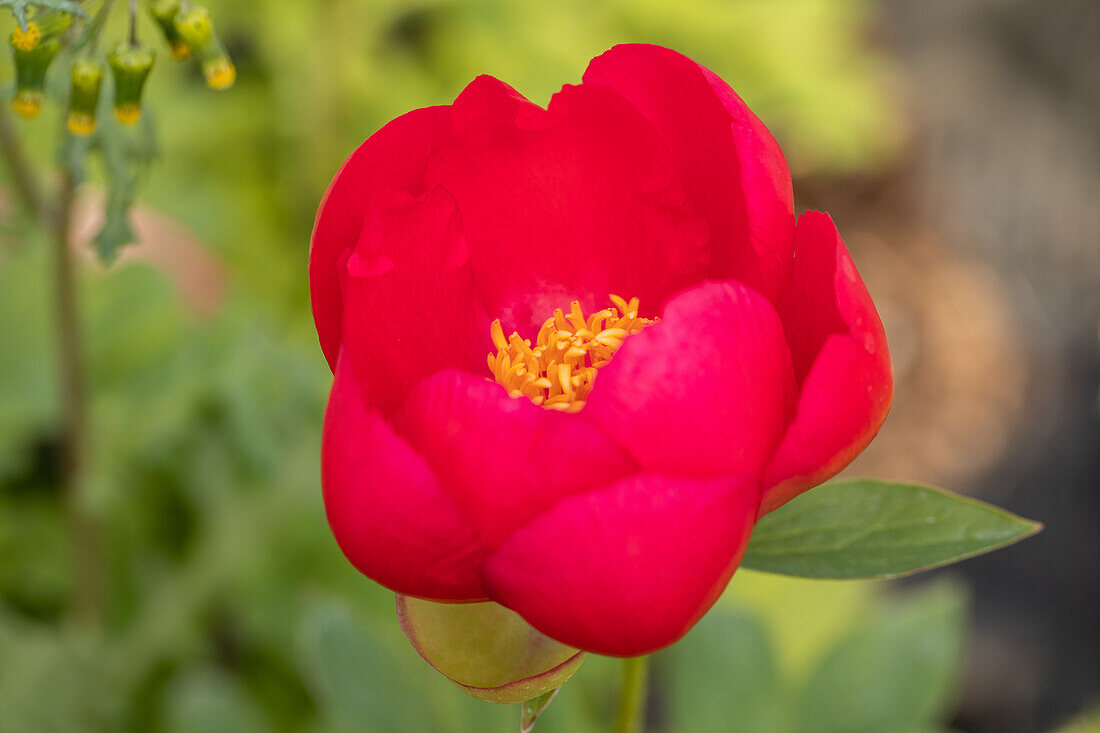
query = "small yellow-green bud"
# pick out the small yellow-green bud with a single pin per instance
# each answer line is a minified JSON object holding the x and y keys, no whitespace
{"x":87,"y":79}
{"x":30,"y":75}
{"x":164,"y":12}
{"x":130,"y":67}
{"x":196,"y":29}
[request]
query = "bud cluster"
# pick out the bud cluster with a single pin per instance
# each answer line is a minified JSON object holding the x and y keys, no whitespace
{"x":187,"y":28}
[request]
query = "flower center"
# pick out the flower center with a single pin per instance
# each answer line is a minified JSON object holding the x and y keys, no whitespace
{"x":558,"y":371}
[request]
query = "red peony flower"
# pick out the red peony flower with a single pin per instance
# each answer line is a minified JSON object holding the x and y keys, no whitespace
{"x":602,"y":473}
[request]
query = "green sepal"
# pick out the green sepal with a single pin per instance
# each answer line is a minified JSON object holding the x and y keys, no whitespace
{"x":86,"y":80}
{"x":530,"y":710}
{"x":30,"y":76}
{"x":130,"y":67}
{"x":489,"y":651}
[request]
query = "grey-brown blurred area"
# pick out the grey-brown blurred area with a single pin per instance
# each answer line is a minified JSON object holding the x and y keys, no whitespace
{"x":985,"y":245}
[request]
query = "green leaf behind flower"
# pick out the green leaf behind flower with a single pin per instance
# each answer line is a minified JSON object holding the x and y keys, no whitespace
{"x":865,"y":528}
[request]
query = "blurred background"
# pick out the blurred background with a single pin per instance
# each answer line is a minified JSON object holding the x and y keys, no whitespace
{"x":957,"y":145}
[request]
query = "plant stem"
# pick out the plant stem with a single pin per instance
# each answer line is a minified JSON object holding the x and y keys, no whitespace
{"x":133,"y":23}
{"x":630,"y":717}
{"x":87,"y":583}
{"x":23,"y":178}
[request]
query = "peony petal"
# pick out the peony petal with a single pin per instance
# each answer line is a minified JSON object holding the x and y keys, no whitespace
{"x":705,"y":391}
{"x":504,"y":460}
{"x":394,"y":156}
{"x":569,"y":203}
{"x":412,"y":307}
{"x":732,"y":168}
{"x":840,"y":357}
{"x":387,"y":511}
{"x":629,"y":568}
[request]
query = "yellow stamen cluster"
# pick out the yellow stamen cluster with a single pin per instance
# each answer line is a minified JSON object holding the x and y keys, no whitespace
{"x":220,"y":74}
{"x":80,"y":124}
{"x":558,"y":371}
{"x":180,"y":50}
{"x":27,"y":104}
{"x":26,"y":40}
{"x":128,"y":114}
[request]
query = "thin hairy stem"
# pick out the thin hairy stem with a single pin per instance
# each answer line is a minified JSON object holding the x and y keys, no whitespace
{"x":87,"y":584}
{"x":133,"y":22}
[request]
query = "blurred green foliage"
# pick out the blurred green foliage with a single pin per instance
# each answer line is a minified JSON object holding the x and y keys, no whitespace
{"x":229,"y":606}
{"x":246,"y":168}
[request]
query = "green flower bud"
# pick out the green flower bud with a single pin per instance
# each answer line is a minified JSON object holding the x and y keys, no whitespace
{"x":130,"y":67}
{"x":30,"y":75}
{"x":196,"y":28}
{"x":164,"y":12}
{"x":87,"y":78}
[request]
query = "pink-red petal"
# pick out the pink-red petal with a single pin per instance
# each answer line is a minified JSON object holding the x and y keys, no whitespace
{"x":394,"y":157}
{"x":504,"y":460}
{"x":840,"y":357}
{"x":629,"y":568}
{"x":732,"y":168}
{"x":412,"y":306}
{"x":569,"y":203}
{"x":388,"y":513}
{"x":705,"y":391}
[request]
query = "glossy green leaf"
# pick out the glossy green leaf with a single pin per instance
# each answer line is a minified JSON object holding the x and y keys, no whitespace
{"x":896,"y":673}
{"x":865,"y":528}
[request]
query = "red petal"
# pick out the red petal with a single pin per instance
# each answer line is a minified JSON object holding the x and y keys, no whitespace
{"x":386,"y":509}
{"x":504,"y":460}
{"x":412,"y":305}
{"x":841,"y":358}
{"x":705,"y":391}
{"x":393,"y":156}
{"x":627,"y":569}
{"x":569,"y":203}
{"x":732,"y":168}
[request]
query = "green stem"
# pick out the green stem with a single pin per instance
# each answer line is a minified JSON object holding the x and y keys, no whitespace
{"x":632,"y":697}
{"x":133,"y":23}
{"x":87,"y":586}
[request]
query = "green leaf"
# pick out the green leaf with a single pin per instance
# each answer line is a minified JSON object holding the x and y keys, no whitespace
{"x":722,"y":676}
{"x":864,"y":528}
{"x":895,"y":674}
{"x":357,"y":674}
{"x":209,"y":700}
{"x":127,"y":152}
{"x":19,"y":8}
